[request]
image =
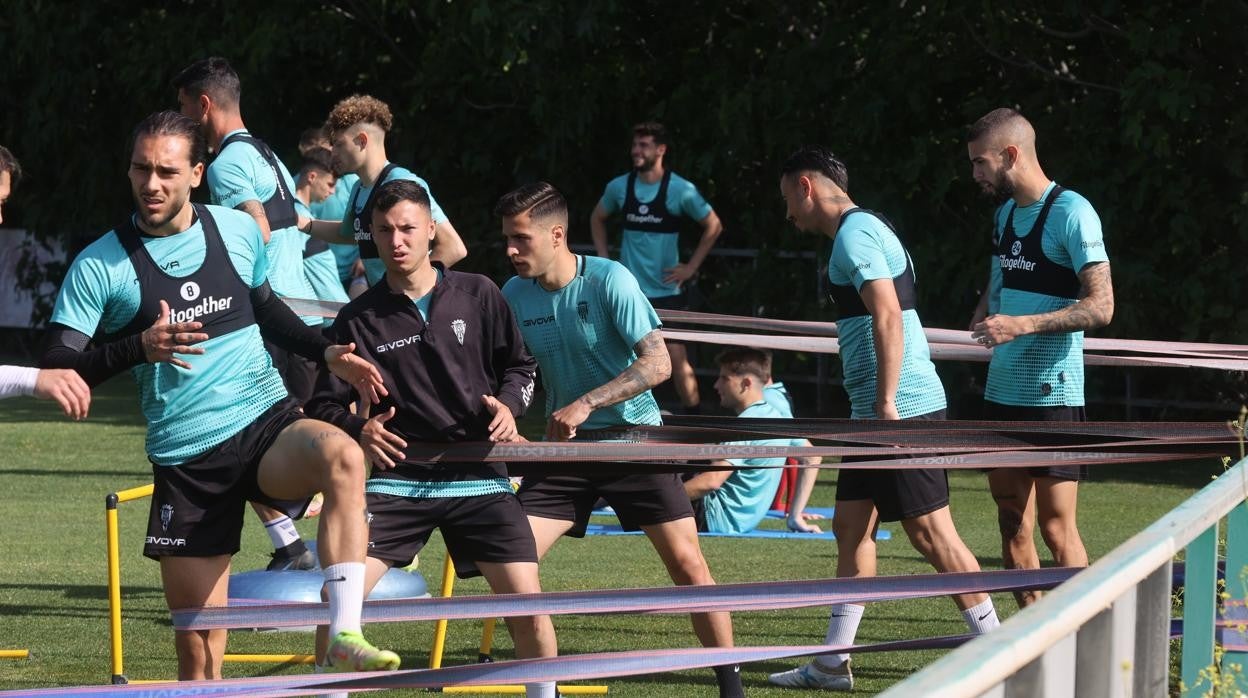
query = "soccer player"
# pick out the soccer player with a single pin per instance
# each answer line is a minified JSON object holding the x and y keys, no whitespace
{"x":597,"y":341}
{"x":736,"y":501}
{"x":10,"y":173}
{"x":652,"y":201}
{"x":447,"y":345}
{"x":888,"y":374}
{"x":357,"y":128}
{"x":1049,"y":282}
{"x":314,"y":184}
{"x":178,"y":294}
{"x":334,"y":208}
{"x":247,"y":176}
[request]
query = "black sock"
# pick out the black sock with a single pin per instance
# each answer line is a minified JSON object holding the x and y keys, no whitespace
{"x":293,"y":550}
{"x":729,"y":680}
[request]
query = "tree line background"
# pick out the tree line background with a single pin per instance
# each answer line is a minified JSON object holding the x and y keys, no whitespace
{"x":1140,"y":107}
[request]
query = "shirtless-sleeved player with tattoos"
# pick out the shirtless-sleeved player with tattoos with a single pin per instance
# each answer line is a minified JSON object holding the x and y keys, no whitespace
{"x":1049,"y":282}
{"x":597,"y":344}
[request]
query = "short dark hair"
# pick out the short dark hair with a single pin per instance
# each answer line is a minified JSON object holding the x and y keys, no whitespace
{"x":312,"y":139}
{"x":9,"y":164}
{"x":396,"y":191}
{"x":317,"y":159}
{"x":210,"y":76}
{"x":171,"y":123}
{"x":653,"y":129}
{"x":540,"y":199}
{"x":990,"y":122}
{"x":744,"y":361}
{"x":816,"y":158}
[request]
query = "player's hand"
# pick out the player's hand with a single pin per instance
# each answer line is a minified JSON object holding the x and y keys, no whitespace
{"x":797,"y":522}
{"x":503,"y":426}
{"x":381,"y":446}
{"x":65,"y":386}
{"x":355,"y":371}
{"x":977,"y":317}
{"x":678,"y":274}
{"x":998,"y":329}
{"x":564,"y":421}
{"x":886,"y":410}
{"x":164,"y":339}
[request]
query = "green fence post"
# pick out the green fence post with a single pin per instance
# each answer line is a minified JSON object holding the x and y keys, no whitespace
{"x":1199,"y":603}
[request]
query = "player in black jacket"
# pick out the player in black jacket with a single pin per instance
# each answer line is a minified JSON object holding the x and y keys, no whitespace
{"x":454,"y":362}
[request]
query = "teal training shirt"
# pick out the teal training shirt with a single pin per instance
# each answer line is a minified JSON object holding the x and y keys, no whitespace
{"x":647,"y":255}
{"x":866,"y":250}
{"x":228,"y":386}
{"x":1042,"y":370}
{"x":321,"y":269}
{"x":334,"y":208}
{"x":373,"y":268}
{"x":239,"y":173}
{"x":741,"y":503}
{"x":777,"y":396}
{"x":583,"y":335}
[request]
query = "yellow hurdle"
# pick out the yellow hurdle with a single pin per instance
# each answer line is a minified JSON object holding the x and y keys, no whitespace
{"x":270,"y":658}
{"x":14,"y":654}
{"x":483,"y":654}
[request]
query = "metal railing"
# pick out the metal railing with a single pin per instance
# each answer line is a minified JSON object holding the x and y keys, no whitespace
{"x":1106,"y":632}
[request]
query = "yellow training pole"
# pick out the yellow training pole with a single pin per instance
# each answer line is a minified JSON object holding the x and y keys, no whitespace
{"x":487,"y":641}
{"x":114,"y":572}
{"x":439,"y":629}
{"x":14,"y":654}
{"x":270,"y":658}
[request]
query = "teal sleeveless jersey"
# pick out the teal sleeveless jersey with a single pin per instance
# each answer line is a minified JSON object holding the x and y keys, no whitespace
{"x":228,"y":386}
{"x":373,"y":268}
{"x":239,"y":173}
{"x":647,"y":255}
{"x":866,"y":250}
{"x":1041,"y":370}
{"x":583,"y":335}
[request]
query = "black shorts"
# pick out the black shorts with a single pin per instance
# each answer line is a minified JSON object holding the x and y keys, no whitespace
{"x":197,"y":507}
{"x":484,"y":528}
{"x":1054,"y":413}
{"x":896,"y":494}
{"x":297,"y":372}
{"x":638,"y":500}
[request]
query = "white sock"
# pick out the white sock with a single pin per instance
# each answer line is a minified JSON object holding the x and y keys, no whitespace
{"x":344,"y":583}
{"x":842,"y":629}
{"x":545,"y":689}
{"x":981,"y":618}
{"x":281,"y":531}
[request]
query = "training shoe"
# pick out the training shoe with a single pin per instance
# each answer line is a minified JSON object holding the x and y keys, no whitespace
{"x":351,"y":652}
{"x":314,"y":506}
{"x":303,"y":561}
{"x":811,"y":676}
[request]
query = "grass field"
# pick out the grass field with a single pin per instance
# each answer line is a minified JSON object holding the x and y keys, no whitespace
{"x":54,"y":475}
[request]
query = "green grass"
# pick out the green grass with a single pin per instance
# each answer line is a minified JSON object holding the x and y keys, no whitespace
{"x":54,"y":475}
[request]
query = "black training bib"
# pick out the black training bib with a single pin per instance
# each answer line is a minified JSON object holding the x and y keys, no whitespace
{"x":849,"y":301}
{"x":279,"y":208}
{"x":362,"y":222}
{"x":1024,"y":266}
{"x":652,"y":216}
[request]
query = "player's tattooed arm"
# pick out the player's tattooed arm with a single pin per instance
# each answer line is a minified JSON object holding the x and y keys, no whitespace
{"x":255,"y":209}
{"x":652,"y":367}
{"x":1094,"y":309}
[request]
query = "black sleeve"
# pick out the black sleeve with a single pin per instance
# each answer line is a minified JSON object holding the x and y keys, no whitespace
{"x":66,"y":347}
{"x":279,"y":325}
{"x":331,"y":400}
{"x":511,"y":359}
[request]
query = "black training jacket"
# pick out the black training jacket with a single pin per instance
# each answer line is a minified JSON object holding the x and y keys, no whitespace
{"x":435,"y":371}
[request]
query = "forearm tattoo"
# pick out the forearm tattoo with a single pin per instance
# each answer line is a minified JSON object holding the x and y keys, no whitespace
{"x":653,"y":366}
{"x":1094,"y":309}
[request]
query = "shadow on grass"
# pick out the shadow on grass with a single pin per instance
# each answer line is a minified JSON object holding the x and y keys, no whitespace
{"x":85,"y":591}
